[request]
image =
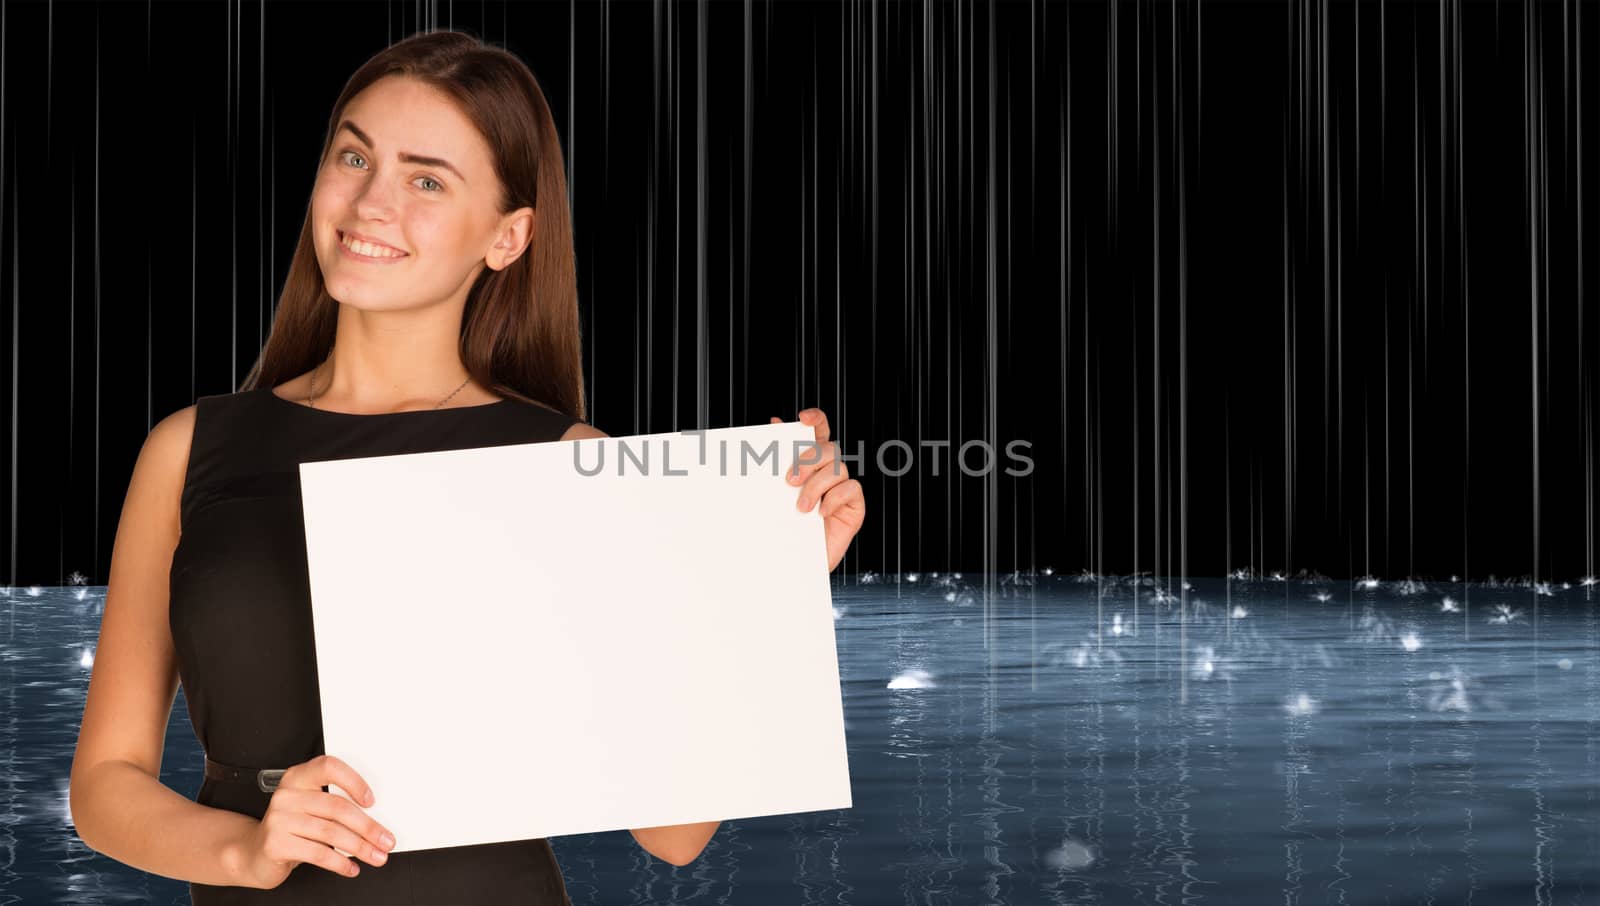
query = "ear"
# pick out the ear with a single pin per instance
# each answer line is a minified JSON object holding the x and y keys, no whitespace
{"x":516,"y":230}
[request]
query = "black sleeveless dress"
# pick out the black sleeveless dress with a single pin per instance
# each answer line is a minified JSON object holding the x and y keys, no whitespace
{"x":240,"y":615}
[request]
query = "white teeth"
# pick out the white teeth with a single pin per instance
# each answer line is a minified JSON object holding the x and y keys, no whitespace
{"x":368,"y":249}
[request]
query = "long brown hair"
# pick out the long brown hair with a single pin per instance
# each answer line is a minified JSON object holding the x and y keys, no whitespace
{"x":519,"y":329}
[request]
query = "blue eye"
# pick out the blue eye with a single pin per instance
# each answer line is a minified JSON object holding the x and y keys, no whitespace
{"x":435,"y":182}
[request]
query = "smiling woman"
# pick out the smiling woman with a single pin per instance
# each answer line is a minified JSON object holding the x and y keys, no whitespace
{"x":425,"y":219}
{"x":436,"y":253}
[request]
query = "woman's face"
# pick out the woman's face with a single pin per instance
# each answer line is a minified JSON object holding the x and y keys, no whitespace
{"x":408,"y":171}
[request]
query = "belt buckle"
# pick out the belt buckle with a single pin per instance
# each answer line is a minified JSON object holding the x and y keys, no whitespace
{"x":267,"y":778}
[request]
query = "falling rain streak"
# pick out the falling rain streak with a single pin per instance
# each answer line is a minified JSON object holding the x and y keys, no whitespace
{"x":1312,"y":330}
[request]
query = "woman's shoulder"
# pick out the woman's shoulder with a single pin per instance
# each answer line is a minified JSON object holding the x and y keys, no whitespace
{"x":169,"y":440}
{"x":582,"y":430}
{"x":576,"y":429}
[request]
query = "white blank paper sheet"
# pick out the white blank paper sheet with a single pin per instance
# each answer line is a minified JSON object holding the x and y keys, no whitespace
{"x":508,"y":648}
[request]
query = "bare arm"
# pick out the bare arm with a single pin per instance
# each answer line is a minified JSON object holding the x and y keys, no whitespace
{"x":679,"y":844}
{"x":119,"y":806}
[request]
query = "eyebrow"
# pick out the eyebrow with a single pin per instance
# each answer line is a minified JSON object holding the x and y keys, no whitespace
{"x":405,"y":156}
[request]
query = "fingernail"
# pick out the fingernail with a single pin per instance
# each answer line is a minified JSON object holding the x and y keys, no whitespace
{"x":803,"y":504}
{"x":387,"y":840}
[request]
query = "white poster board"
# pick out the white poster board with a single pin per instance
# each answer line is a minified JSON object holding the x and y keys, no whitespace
{"x":510,"y":648}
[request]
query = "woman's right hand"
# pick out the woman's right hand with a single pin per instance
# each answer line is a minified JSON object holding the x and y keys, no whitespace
{"x":303,"y":824}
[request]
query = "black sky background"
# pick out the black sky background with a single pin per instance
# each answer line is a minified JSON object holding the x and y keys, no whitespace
{"x":1296,"y":286}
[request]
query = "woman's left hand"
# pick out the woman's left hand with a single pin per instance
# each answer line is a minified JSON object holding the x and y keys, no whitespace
{"x":826,"y":481}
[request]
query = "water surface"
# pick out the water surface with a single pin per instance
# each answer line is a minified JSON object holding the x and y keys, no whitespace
{"x":1091,"y":741}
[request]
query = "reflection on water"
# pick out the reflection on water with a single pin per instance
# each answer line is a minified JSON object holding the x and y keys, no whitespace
{"x":1224,"y":741}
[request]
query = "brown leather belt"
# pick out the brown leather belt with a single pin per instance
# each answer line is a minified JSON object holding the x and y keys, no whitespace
{"x":265,"y":779}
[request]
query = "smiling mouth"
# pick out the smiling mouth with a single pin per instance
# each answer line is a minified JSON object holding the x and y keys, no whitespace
{"x":358,"y":248}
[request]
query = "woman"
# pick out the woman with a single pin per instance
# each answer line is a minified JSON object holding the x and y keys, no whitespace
{"x":431,"y":305}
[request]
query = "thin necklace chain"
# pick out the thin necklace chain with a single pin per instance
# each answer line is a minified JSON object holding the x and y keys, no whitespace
{"x":319,"y":368}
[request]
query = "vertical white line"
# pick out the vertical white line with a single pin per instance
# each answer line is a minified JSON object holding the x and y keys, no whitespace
{"x":263,"y":265}
{"x":991,"y":357}
{"x":748,"y":163}
{"x":1288,"y":470}
{"x":194,"y":241}
{"x":231,"y":89}
{"x":1183,"y":380}
{"x":1322,"y":134}
{"x":1530,"y":206}
{"x":1466,"y":344}
{"x":16,"y":314}
{"x":72,"y":361}
{"x":677,"y":205}
{"x":149,"y":314}
{"x":1160,"y":490}
{"x":97,"y":357}
{"x":702,"y":391}
{"x":1587,"y":391}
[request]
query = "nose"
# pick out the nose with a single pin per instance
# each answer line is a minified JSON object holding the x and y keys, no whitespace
{"x":375,"y":202}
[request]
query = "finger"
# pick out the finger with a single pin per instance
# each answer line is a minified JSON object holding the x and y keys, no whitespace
{"x":818,"y":419}
{"x":304,"y":776}
{"x":313,"y":853}
{"x":817,"y":486}
{"x":776,"y":420}
{"x":812,"y":459}
{"x":338,"y":835}
{"x":350,"y":815}
{"x":847,"y":496}
{"x":325,"y":770}
{"x":808,"y":454}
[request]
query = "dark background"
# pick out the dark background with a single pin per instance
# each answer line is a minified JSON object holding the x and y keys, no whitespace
{"x":1265,"y":286}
